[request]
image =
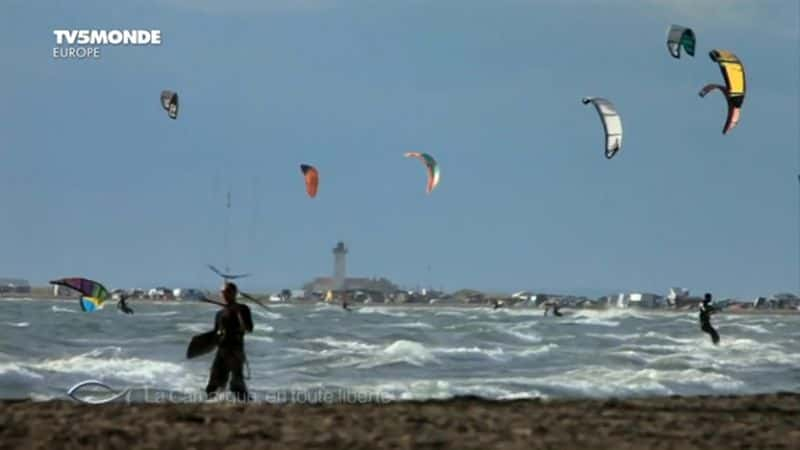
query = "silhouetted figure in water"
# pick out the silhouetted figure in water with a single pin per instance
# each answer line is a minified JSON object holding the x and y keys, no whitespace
{"x":231,"y":323}
{"x":555,"y":307}
{"x":345,"y":306}
{"x":498,"y":304}
{"x":706,"y":310}
{"x":122,"y":304}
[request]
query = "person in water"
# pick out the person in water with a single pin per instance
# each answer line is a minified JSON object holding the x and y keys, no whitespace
{"x":122,"y":304}
{"x":230,"y":324}
{"x":706,"y":310}
{"x":555,"y":307}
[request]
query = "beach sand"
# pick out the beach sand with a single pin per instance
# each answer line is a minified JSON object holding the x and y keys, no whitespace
{"x":761,"y":421}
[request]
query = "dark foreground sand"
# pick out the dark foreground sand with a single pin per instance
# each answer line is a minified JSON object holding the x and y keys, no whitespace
{"x":763,"y":421}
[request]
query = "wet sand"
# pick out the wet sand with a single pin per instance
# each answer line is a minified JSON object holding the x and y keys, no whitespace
{"x":761,"y":421}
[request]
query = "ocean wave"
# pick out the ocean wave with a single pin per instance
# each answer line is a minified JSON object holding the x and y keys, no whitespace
{"x":156,"y":314}
{"x":194,"y":327}
{"x":64,"y":310}
{"x":388,"y":311}
{"x":754,"y":328}
{"x":527,"y":337}
{"x":18,"y":324}
{"x":107,"y":362}
{"x":493,"y":353}
{"x":416,"y":324}
{"x":400,"y":352}
{"x":268,"y":314}
{"x":14,"y":369}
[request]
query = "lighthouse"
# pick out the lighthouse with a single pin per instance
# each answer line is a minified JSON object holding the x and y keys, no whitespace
{"x":339,"y":265}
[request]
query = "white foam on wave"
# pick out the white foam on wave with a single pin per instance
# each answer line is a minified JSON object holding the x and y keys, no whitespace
{"x":449,"y":312}
{"x":194,"y":327}
{"x":156,"y":314}
{"x":353,"y":346}
{"x":18,"y":324}
{"x":749,"y":327}
{"x":580,"y":320}
{"x":64,"y":310}
{"x":417,"y":324}
{"x":401,"y":351}
{"x":18,"y":370}
{"x":108,"y":362}
{"x":527,"y":337}
{"x":547,"y":348}
{"x":618,"y":337}
{"x":268,"y":314}
{"x":602,"y":381}
{"x":493,"y":353}
{"x":388,"y":311}
{"x":439,"y":389}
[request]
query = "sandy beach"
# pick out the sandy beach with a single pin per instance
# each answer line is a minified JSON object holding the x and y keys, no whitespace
{"x":760,"y":421}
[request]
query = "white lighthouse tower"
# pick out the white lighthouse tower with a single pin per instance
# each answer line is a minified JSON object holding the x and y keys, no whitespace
{"x":339,"y":265}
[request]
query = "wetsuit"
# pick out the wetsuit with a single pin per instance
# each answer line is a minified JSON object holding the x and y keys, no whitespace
{"x":556,"y":311}
{"x":123,"y":305}
{"x":705,"y":322}
{"x":231,"y":323}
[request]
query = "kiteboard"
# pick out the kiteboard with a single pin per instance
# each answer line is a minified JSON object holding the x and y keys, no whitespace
{"x":202,"y":344}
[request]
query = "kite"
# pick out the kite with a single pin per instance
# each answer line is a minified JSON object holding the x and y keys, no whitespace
{"x":677,"y":37}
{"x":169,"y":101}
{"x":612,"y":124}
{"x":312,"y":179}
{"x":93,"y":294}
{"x":735,"y":86}
{"x":431,"y":165}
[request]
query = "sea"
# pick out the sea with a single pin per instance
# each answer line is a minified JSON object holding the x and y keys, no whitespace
{"x":322,"y":353}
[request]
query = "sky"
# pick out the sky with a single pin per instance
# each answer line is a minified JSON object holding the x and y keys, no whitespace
{"x":98,"y":182}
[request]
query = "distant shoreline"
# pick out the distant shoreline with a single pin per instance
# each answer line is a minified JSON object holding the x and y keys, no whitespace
{"x":449,"y":304}
{"x":749,"y":421}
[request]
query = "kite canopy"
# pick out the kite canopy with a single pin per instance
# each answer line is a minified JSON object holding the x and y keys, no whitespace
{"x":93,"y":293}
{"x":735,"y":85}
{"x":227,"y":276}
{"x":431,"y":165}
{"x":677,"y":37}
{"x":312,"y":179}
{"x":169,"y":101}
{"x":612,"y":124}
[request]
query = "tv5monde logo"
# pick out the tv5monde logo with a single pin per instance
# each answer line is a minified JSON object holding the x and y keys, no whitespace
{"x":86,"y":44}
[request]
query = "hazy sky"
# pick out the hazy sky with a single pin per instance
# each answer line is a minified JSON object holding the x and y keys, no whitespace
{"x":97,"y":181}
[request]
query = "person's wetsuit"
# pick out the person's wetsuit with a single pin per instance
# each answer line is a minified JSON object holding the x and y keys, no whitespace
{"x":556,"y":312}
{"x":231,"y":323}
{"x":705,"y":322}
{"x":123,"y":306}
{"x":344,"y":306}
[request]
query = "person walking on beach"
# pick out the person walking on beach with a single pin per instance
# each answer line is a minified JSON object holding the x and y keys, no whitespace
{"x":231,"y":323}
{"x":706,"y":310}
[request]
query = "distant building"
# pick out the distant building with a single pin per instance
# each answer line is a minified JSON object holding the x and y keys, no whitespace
{"x":14,"y":286}
{"x":340,"y":282}
{"x":636,"y":300}
{"x":339,"y":265}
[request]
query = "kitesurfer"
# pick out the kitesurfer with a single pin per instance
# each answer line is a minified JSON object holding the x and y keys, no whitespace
{"x":555,"y":307}
{"x":497,"y":304}
{"x":230,"y":324}
{"x":122,"y":304}
{"x":706,"y":310}
{"x":345,"y":305}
